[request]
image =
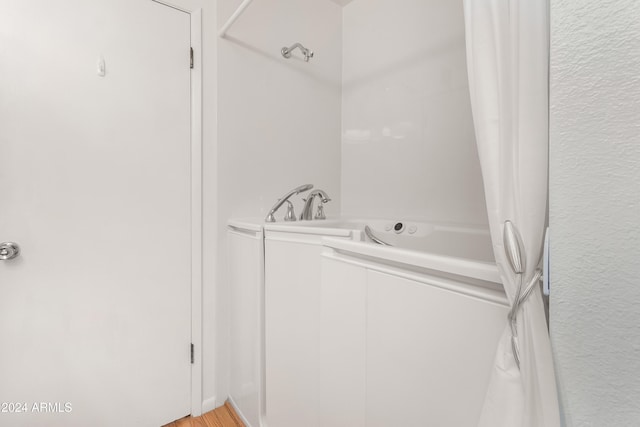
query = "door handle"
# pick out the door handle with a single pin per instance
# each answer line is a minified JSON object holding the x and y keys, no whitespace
{"x":9,"y":250}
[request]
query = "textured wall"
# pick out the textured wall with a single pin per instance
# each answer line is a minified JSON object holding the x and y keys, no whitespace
{"x":408,"y":143}
{"x":595,"y":209}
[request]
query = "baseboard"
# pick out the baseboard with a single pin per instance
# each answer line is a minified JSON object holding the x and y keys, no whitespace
{"x":209,"y":404}
{"x":240,"y":414}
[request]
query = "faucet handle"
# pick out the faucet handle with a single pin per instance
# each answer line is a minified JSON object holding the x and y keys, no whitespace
{"x":290,"y":215}
{"x":320,"y":212}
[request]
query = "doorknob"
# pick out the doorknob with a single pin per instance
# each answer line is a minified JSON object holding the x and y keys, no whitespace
{"x":9,"y":250}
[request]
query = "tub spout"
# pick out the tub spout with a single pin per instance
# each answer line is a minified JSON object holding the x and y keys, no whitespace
{"x":308,"y":205}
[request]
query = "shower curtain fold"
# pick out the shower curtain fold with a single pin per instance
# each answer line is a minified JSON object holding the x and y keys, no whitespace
{"x":507,"y":60}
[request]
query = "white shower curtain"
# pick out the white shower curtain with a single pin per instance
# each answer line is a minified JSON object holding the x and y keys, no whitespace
{"x":507,"y":60}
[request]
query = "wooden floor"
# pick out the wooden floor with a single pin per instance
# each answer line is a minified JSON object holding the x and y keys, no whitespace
{"x":224,"y":416}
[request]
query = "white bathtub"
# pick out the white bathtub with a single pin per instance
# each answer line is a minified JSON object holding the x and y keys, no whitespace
{"x":326,"y":290}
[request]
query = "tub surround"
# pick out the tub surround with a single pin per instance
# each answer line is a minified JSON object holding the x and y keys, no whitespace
{"x":408,"y":143}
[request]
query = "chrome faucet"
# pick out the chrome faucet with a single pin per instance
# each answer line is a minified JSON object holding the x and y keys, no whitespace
{"x":291,"y":216}
{"x":308,"y":205}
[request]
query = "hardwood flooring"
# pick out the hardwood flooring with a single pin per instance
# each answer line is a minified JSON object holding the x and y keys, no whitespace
{"x":224,"y":416}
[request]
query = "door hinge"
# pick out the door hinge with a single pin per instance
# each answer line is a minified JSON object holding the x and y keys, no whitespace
{"x":190,"y":57}
{"x":192,"y":353}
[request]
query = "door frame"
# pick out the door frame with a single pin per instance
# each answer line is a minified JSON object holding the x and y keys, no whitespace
{"x":195,"y":14}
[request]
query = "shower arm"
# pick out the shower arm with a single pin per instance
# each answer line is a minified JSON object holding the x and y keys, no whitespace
{"x":286,"y":51}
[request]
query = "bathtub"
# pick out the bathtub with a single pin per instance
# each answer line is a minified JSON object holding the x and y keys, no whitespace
{"x":342,"y":317}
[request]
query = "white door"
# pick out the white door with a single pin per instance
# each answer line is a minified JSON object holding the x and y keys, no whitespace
{"x":95,"y":186}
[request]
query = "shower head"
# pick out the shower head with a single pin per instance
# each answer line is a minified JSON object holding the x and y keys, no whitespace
{"x":308,"y":54}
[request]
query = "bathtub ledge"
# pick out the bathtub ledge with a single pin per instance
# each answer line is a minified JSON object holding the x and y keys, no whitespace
{"x":457,"y":266}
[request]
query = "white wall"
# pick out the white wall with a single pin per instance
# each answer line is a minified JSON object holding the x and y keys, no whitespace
{"x":408,"y":144}
{"x":279,"y":120}
{"x":595,"y":209}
